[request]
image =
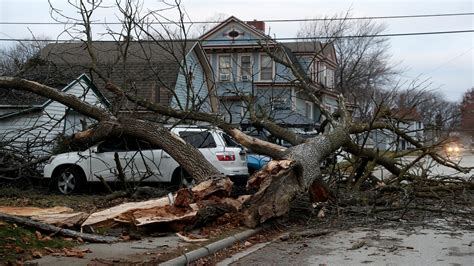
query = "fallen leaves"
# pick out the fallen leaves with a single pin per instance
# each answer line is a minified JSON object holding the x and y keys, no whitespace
{"x":36,"y":254}
{"x":66,"y":252}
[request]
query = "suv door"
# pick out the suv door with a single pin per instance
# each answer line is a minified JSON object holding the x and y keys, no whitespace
{"x":102,"y":162}
{"x":138,"y":159}
{"x":144,"y":160}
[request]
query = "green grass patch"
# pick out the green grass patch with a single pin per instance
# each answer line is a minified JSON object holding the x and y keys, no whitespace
{"x":17,"y":243}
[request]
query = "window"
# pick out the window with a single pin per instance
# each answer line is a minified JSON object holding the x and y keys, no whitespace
{"x":198,"y":139}
{"x":308,"y":109}
{"x":322,"y":73}
{"x":225,"y":69}
{"x":329,"y":78}
{"x":122,"y":144}
{"x":112,"y":145}
{"x":229,"y":142}
{"x":314,"y":70}
{"x":279,"y":103}
{"x":245,"y":68}
{"x":266,"y":67}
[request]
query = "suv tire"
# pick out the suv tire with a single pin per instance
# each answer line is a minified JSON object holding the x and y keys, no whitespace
{"x":68,"y":180}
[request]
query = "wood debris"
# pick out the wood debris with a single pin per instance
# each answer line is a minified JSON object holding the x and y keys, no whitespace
{"x":58,"y":216}
{"x":190,"y":238}
{"x":185,"y":207}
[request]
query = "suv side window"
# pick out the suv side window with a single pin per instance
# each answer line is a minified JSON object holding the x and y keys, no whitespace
{"x":134,"y":144}
{"x":113,"y":144}
{"x":198,"y":139}
{"x":125,"y":144}
{"x":229,"y":142}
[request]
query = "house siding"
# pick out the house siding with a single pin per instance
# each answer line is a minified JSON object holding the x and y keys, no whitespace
{"x":247,"y":41}
{"x":198,"y":98}
{"x":37,"y":132}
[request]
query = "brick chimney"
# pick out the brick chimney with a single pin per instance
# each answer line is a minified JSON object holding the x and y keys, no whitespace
{"x":257,"y":24}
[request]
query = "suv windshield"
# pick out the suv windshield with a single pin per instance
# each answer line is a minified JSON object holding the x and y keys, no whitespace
{"x":198,"y":139}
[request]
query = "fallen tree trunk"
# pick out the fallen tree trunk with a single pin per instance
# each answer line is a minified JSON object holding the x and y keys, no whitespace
{"x":280,"y":181}
{"x":57,"y":216}
{"x":57,"y":230}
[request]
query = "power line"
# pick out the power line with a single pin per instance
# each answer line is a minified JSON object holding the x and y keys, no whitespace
{"x":282,"y":38}
{"x":265,"y":20}
{"x":448,"y":61}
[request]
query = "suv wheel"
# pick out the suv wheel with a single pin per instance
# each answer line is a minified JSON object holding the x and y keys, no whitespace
{"x":68,"y":180}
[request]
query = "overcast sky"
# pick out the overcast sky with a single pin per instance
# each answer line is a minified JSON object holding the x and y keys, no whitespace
{"x":446,"y":60}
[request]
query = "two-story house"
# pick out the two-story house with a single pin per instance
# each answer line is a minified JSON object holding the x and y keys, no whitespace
{"x":249,"y":76}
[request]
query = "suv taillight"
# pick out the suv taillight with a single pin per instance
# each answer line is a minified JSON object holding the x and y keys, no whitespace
{"x":225,"y":156}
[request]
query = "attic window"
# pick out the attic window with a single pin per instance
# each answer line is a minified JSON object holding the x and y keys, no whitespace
{"x":234,"y":34}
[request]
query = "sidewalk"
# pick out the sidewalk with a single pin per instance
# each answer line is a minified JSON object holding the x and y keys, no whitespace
{"x":144,"y":250}
{"x":170,"y":250}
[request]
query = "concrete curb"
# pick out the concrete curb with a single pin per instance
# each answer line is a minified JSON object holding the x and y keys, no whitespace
{"x":211,"y":248}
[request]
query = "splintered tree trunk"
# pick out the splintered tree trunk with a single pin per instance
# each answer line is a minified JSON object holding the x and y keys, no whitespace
{"x":280,"y":181}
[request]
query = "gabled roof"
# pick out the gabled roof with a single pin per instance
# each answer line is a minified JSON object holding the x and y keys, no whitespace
{"x":150,"y":69}
{"x":325,"y":50}
{"x":232,"y":19}
{"x":145,"y":61}
{"x":38,"y":107}
{"x":109,"y":52}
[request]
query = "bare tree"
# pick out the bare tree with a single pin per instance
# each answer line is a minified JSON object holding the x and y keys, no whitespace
{"x":293,"y":171}
{"x":364,"y":62}
{"x":16,"y":58}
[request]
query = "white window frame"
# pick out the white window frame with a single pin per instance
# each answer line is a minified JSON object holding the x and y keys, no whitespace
{"x":311,"y":105}
{"x":330,"y":77}
{"x":260,"y":68}
{"x":240,"y":67}
{"x":315,"y":69}
{"x":293,"y":99}
{"x":322,"y":73}
{"x":219,"y":67}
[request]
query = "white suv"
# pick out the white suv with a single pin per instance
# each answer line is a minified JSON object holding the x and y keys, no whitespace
{"x":143,"y":162}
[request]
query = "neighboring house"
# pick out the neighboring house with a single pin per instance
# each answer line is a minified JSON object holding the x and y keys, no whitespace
{"x":31,"y":123}
{"x":407,"y":120}
{"x":243,"y":68}
{"x":171,"y":73}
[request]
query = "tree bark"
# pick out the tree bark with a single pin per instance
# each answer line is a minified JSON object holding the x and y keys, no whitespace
{"x":280,"y":181}
{"x":57,"y":230}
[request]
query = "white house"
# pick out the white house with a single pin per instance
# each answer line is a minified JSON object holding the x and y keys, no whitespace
{"x":31,"y":123}
{"x":409,"y":121}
